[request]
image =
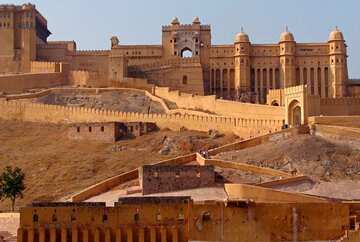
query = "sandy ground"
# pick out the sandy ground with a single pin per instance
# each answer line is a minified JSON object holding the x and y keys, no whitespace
{"x":56,"y":167}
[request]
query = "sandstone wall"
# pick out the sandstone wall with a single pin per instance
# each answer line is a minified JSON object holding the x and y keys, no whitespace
{"x":23,"y":82}
{"x":221,"y":107}
{"x":59,"y":114}
{"x":44,"y":67}
{"x":340,"y":106}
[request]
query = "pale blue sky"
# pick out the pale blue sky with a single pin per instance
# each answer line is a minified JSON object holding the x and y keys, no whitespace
{"x":92,"y":23}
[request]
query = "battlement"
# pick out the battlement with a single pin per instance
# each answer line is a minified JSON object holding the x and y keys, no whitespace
{"x":92,"y":52}
{"x":187,"y":27}
{"x":295,"y":89}
{"x":168,"y":62}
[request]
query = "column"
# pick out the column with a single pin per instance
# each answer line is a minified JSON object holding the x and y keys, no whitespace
{"x":30,"y":235}
{"x":174,"y":234}
{"x":74,"y":237}
{"x":267,"y":79}
{"x":52,"y":234}
{"x":141,"y":235}
{"x":211,"y":80}
{"x":86,"y":235}
{"x":152,"y":234}
{"x":323,"y":95}
{"x":229,"y":83}
{"x":107,"y":235}
{"x":64,"y":235}
{"x":41,"y":234}
{"x":163,"y":234}
{"x":301,"y":75}
{"x":261,"y":85}
{"x":308,"y":80}
{"x":256,"y":85}
{"x":20,"y":235}
{"x":118,"y":235}
{"x":274,"y":77}
{"x":221,"y":83}
{"x":129,"y":234}
{"x":316,"y":82}
{"x":97,"y":235}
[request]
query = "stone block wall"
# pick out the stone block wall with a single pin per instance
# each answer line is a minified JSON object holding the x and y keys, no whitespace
{"x":163,"y":178}
{"x":105,"y":132}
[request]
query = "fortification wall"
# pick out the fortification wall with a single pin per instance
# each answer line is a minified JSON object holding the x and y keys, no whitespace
{"x":347,"y":121}
{"x":22,"y":82}
{"x":81,"y":78}
{"x":340,"y":106}
{"x":221,"y":107}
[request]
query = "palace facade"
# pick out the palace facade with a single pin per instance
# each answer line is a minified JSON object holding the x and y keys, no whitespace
{"x":186,"y":60}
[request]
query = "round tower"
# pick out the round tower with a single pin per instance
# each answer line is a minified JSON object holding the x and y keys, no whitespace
{"x":338,"y":75}
{"x":242,"y":63}
{"x":287,"y":46}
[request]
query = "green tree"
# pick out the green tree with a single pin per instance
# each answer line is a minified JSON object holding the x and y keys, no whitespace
{"x":12,"y":184}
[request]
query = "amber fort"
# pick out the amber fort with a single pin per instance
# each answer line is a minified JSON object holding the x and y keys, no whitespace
{"x":241,"y":103}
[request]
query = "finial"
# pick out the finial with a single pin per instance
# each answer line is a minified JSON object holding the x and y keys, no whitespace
{"x":242,"y":29}
{"x":336,"y":28}
{"x":286,"y":28}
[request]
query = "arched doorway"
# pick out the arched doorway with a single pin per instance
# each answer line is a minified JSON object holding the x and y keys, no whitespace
{"x":294,"y":113}
{"x":186,"y":53}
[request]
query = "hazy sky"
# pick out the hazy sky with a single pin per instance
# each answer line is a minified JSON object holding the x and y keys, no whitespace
{"x":92,"y":23}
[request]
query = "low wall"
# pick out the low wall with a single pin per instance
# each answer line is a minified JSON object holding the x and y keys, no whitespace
{"x":22,"y":82}
{"x":221,"y":107}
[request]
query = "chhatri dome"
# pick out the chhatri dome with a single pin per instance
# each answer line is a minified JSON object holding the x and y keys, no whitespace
{"x":241,"y":37}
{"x":196,"y":20}
{"x":286,"y":36}
{"x":175,"y":21}
{"x":336,"y":35}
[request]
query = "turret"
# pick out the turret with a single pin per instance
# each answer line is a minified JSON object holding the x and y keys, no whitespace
{"x":287,"y":46}
{"x":338,"y":64}
{"x":242,"y":63}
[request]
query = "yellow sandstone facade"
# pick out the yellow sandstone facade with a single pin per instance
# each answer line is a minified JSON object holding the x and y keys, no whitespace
{"x":186,"y":60}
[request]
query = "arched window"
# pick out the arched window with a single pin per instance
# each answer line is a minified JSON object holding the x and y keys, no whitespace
{"x":184,"y":80}
{"x":186,"y":53}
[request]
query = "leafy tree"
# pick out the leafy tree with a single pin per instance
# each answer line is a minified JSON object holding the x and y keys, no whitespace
{"x":12,"y":184}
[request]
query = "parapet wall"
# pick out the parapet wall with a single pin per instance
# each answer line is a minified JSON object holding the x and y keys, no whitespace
{"x":340,"y":106}
{"x":221,"y":107}
{"x":44,"y":67}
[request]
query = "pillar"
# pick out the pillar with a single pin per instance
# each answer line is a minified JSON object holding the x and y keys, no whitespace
{"x":229,"y":83}
{"x":31,"y":235}
{"x":163,"y":234}
{"x":20,"y":235}
{"x":74,"y":237}
{"x":41,"y":234}
{"x":261,"y":85}
{"x":221,"y":83}
{"x":97,"y":235}
{"x":141,"y":235}
{"x":301,"y":75}
{"x":256,"y":84}
{"x":267,"y":79}
{"x":118,"y":235}
{"x":174,"y":234}
{"x":52,"y":234}
{"x":323,"y":95}
{"x":152,"y":234}
{"x":316,"y":82}
{"x":274,"y":76}
{"x":211,"y":79}
{"x":63,"y":235}
{"x":107,"y":235}
{"x":86,"y":235}
{"x":129,"y":234}
{"x":308,"y":72}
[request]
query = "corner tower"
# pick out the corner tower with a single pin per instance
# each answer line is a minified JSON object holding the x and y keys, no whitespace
{"x":287,"y":46}
{"x":242,"y":63}
{"x":338,"y":64}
